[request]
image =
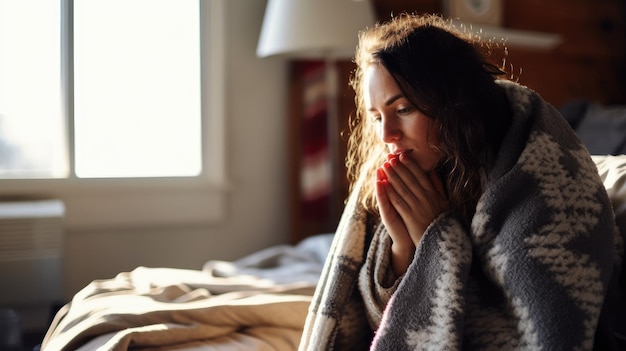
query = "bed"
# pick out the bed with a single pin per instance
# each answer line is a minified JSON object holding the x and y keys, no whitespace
{"x":260,"y":301}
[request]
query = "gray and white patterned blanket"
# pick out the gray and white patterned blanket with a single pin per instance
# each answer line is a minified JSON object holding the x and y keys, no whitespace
{"x":531,"y":273}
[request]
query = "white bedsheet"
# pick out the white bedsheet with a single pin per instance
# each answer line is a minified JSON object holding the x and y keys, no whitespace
{"x":259,"y":302}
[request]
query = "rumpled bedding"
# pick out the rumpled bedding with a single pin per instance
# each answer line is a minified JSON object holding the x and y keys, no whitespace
{"x":259,"y":302}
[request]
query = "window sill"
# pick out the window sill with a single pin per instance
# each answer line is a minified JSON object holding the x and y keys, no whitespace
{"x":93,"y":204}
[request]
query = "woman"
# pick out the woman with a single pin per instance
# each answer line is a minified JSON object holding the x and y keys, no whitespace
{"x":477,"y":219}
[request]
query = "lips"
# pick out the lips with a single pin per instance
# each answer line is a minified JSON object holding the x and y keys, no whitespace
{"x":396,"y":155}
{"x":406,"y":152}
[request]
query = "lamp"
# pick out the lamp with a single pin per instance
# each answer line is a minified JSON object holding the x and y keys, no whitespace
{"x":313,"y":28}
{"x":317,"y":29}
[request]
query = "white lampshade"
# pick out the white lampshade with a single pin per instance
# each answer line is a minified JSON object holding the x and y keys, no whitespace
{"x":313,"y":28}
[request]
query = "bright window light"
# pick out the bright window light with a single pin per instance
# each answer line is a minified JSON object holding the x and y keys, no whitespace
{"x":136,"y":89}
{"x":116,"y":108}
{"x":137,"y":110}
{"x":33,"y":139}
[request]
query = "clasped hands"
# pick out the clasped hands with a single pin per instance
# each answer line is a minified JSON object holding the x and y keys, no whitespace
{"x":409,"y":200}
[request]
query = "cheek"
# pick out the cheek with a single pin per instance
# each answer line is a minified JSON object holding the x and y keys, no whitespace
{"x":423,"y":131}
{"x":378,"y":130}
{"x":431,"y":129}
{"x":428,"y":161}
{"x":430,"y":141}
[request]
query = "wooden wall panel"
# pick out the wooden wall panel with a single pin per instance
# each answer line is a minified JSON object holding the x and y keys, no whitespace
{"x":590,"y":63}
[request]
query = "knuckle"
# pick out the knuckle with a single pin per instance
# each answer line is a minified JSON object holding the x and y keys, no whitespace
{"x":405,"y":192}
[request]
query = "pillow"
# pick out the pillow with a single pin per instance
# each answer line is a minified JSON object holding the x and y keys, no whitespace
{"x":603,"y":129}
{"x":612,"y":170}
{"x":574,"y":111}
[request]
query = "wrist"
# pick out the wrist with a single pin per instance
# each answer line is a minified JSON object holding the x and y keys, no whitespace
{"x":401,"y":257}
{"x":402,"y":250}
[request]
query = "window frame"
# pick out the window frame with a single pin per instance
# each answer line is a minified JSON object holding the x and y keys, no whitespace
{"x":97,"y":203}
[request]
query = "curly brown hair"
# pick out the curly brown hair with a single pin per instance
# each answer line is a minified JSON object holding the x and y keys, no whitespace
{"x":444,"y":71}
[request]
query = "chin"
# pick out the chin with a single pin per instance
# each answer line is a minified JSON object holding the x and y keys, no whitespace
{"x":428,"y":165}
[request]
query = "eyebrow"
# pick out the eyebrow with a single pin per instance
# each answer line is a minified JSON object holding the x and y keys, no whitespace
{"x":389,"y":101}
{"x":392,"y":99}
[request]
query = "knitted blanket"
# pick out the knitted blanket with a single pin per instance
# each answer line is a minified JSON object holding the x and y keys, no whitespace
{"x":531,"y":273}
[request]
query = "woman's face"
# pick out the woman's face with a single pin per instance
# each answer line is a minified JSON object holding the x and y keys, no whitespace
{"x":399,"y":124}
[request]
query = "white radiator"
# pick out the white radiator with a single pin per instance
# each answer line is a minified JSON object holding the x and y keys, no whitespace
{"x":31,"y":242}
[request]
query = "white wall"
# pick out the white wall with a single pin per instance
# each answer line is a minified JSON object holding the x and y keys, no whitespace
{"x":257,"y":162}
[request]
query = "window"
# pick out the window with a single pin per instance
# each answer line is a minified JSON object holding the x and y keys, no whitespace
{"x":136,"y":88}
{"x":30,"y":95}
{"x":113,"y":106}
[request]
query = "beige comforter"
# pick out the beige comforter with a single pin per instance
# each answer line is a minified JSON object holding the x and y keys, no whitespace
{"x":176,"y":309}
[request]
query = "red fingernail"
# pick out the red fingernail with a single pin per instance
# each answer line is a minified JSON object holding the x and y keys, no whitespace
{"x":381,"y":174}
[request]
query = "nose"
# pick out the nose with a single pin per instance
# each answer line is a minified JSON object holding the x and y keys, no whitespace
{"x":389,"y":131}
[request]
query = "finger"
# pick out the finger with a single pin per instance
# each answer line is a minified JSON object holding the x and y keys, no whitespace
{"x":381,"y":191}
{"x":418,"y":196}
{"x":414,"y":218}
{"x":391,"y":201}
{"x":389,"y":215}
{"x":409,"y":181}
{"x":402,"y":194}
{"x":399,"y":195}
{"x":406,"y":171}
{"x":416,"y":172}
{"x":380,"y":174}
{"x":387,"y":211}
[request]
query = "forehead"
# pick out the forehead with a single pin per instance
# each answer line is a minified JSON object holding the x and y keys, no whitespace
{"x":378,"y":85}
{"x":375,"y":73}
